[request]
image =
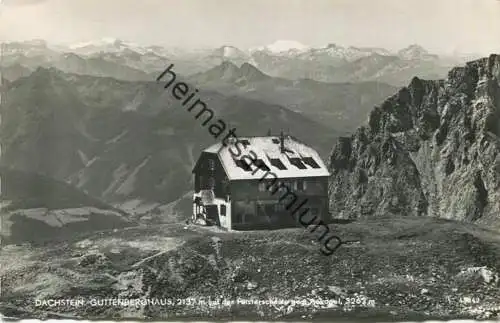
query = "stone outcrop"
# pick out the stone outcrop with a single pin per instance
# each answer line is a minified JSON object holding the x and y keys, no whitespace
{"x":431,"y":149}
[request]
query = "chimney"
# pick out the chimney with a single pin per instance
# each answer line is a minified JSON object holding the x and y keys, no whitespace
{"x":231,"y":140}
{"x":282,"y":142}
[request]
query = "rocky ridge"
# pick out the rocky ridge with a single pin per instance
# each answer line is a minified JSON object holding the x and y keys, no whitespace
{"x":431,"y":149}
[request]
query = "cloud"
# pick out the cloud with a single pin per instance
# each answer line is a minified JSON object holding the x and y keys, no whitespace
{"x":15,"y":3}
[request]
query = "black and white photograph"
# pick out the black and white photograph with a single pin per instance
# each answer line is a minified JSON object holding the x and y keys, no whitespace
{"x":250,"y":160}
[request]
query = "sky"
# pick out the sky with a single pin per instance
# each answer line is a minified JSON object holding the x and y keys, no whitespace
{"x":441,"y":26}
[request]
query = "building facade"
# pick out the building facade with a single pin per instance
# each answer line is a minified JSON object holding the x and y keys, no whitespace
{"x":260,"y":187}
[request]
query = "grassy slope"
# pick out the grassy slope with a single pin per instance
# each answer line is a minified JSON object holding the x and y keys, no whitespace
{"x":30,"y":190}
{"x":24,"y":191}
{"x":406,"y":267}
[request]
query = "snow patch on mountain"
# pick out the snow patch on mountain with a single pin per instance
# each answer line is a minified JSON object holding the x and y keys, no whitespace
{"x":415,"y":51}
{"x":106,"y":44}
{"x":349,"y":54}
{"x":230,"y":51}
{"x":283,"y":46}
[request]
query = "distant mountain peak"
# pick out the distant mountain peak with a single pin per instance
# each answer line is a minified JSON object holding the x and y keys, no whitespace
{"x":332,"y":45}
{"x":228,"y":47}
{"x":36,"y":42}
{"x":45,"y":72}
{"x":230,"y":52}
{"x":282,"y":46}
{"x":71,"y":55}
{"x":248,"y":66}
{"x":99,"y":42}
{"x":251,"y":72}
{"x":106,"y":44}
{"x":228,"y":65}
{"x":230,"y":72}
{"x":341,"y":53}
{"x":414,"y":51}
{"x":227,"y":70}
{"x":47,"y":76}
{"x":416,"y":47}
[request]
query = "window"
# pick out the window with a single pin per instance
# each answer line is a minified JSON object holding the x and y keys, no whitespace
{"x":276,"y":162}
{"x":243,"y":165}
{"x":297,"y":163}
{"x":311,"y":162}
{"x":211,"y":183}
{"x":211,"y":164}
{"x":260,"y":164}
{"x":223,"y":210}
{"x":276,"y":141}
{"x":272,"y":187}
{"x":262,"y":187}
{"x":284,"y":186}
{"x":279,"y":207}
{"x":301,"y":185}
{"x":245,"y":142}
{"x":207,"y":183}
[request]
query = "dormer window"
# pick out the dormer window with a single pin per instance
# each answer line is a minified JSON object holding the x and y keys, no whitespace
{"x":245,"y":142}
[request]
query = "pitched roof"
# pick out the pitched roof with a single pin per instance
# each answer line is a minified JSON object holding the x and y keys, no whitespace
{"x":298,"y":159}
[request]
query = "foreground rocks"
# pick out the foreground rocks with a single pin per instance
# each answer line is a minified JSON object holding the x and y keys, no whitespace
{"x":401,"y":268}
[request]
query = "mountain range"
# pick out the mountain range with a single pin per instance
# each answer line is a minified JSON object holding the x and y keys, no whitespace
{"x":341,"y":106}
{"x":286,"y":59}
{"x":96,"y":181}
{"x":97,"y":121}
{"x":123,"y":140}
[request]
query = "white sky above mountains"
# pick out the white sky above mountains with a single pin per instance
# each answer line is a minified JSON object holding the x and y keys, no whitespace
{"x":441,"y":26}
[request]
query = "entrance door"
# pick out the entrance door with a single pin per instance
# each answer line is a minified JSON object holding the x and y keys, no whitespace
{"x":212,"y":214}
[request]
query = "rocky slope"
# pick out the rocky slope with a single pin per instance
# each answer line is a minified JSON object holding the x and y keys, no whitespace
{"x":431,"y":149}
{"x":393,"y":270}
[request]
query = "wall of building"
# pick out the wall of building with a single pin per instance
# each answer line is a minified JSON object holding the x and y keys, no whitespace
{"x":249,"y":189}
{"x":222,"y":206}
{"x":209,"y":174}
{"x":251,"y":205}
{"x":254,"y":208}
